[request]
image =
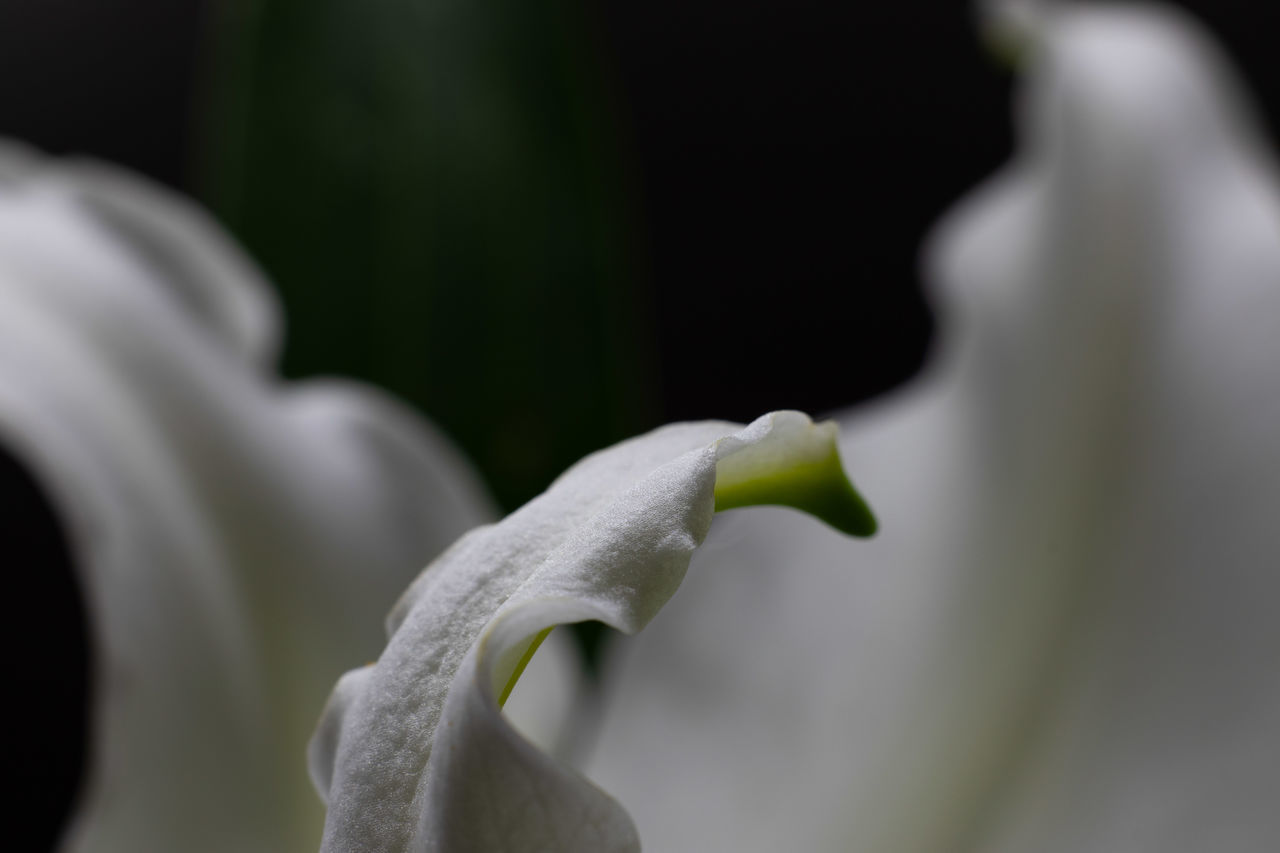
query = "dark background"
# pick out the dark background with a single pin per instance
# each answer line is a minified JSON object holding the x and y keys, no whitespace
{"x":681,"y":210}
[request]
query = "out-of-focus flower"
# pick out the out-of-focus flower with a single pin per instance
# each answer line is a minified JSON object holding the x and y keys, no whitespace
{"x":237,"y":540}
{"x":1065,"y":637}
{"x":413,"y":752}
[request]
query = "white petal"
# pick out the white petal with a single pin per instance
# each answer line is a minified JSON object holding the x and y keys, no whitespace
{"x":1064,"y":638}
{"x":413,"y":753}
{"x":237,"y":540}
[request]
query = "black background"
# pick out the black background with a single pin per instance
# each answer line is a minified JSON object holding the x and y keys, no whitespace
{"x":785,"y":161}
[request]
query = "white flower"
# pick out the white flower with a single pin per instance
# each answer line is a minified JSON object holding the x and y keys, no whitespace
{"x":237,"y":540}
{"x":413,"y":752}
{"x":1065,"y":637}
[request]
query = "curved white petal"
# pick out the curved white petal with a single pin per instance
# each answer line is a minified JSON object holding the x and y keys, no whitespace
{"x":1064,"y":637}
{"x":237,"y":540}
{"x":413,"y":753}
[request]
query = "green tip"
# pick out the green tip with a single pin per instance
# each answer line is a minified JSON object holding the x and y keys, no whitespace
{"x":818,"y":486}
{"x":1012,"y":30}
{"x":521,"y":664}
{"x":1008,"y":48}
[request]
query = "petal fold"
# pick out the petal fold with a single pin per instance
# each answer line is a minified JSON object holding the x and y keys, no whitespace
{"x":414,"y":754}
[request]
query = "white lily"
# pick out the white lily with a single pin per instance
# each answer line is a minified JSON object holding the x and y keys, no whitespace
{"x":1062,"y":642}
{"x":237,"y":540}
{"x":1065,"y":637}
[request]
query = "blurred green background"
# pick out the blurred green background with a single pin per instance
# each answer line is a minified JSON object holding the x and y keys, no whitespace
{"x":436,"y":189}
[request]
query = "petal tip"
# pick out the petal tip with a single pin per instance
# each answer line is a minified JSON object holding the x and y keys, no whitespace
{"x":797,"y":466}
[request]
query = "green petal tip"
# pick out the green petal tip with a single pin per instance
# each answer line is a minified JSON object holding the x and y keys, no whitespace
{"x":814,"y":483}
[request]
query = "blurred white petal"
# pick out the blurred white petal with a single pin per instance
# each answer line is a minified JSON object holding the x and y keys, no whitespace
{"x":1064,"y":638}
{"x":238,"y":540}
{"x":413,"y":753}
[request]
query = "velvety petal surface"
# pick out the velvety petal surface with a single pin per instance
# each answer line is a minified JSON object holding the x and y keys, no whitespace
{"x":414,"y":754}
{"x":1063,"y":638}
{"x":237,"y":539}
